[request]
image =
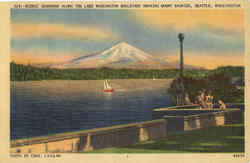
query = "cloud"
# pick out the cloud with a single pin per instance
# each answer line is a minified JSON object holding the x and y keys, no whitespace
{"x":60,"y":31}
{"x":209,"y":61}
{"x":35,"y":57}
{"x":188,"y":19}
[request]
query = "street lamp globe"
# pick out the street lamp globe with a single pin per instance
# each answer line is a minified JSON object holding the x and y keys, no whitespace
{"x":181,"y":36}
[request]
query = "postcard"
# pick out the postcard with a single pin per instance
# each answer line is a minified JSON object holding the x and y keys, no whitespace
{"x":125,"y":81}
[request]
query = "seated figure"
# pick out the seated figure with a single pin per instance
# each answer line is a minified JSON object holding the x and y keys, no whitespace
{"x":222,"y":105}
{"x":187,"y":100}
{"x":201,"y":101}
{"x":209,"y":100}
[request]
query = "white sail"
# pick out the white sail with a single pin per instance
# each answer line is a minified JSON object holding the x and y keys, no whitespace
{"x":107,"y":85}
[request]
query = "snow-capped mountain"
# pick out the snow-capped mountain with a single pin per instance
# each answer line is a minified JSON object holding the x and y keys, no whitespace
{"x":122,"y":55}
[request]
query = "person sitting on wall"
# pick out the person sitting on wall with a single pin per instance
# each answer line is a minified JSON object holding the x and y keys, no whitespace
{"x":209,"y":100}
{"x":187,"y":100}
{"x":222,"y":105}
{"x":201,"y":99}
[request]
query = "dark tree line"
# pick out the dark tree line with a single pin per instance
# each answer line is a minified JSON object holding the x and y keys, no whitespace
{"x":21,"y":72}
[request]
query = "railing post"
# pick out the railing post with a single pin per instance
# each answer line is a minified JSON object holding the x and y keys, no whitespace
{"x":143,"y":135}
{"x":88,"y":146}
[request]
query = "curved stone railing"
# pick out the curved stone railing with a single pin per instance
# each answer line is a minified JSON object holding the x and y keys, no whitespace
{"x":121,"y":135}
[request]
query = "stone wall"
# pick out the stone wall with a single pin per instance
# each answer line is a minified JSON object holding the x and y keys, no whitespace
{"x":204,"y":120}
{"x":88,"y":140}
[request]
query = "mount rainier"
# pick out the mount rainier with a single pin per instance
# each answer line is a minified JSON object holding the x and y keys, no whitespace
{"x":121,"y":55}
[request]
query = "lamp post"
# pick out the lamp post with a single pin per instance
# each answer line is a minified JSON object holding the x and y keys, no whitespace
{"x":181,"y":38}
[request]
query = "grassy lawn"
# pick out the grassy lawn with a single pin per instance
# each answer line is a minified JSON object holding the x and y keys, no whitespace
{"x":227,"y":138}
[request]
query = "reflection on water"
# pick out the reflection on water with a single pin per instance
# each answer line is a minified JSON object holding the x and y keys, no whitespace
{"x":47,"y":107}
{"x":108,"y":95}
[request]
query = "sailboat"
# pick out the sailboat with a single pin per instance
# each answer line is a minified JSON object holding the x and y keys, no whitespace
{"x":107,"y":87}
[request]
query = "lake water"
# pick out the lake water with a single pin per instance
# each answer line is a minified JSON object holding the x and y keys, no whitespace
{"x":47,"y":107}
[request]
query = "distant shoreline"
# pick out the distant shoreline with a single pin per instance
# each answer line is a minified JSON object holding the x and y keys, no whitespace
{"x":119,"y":85}
{"x":20,"y":72}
